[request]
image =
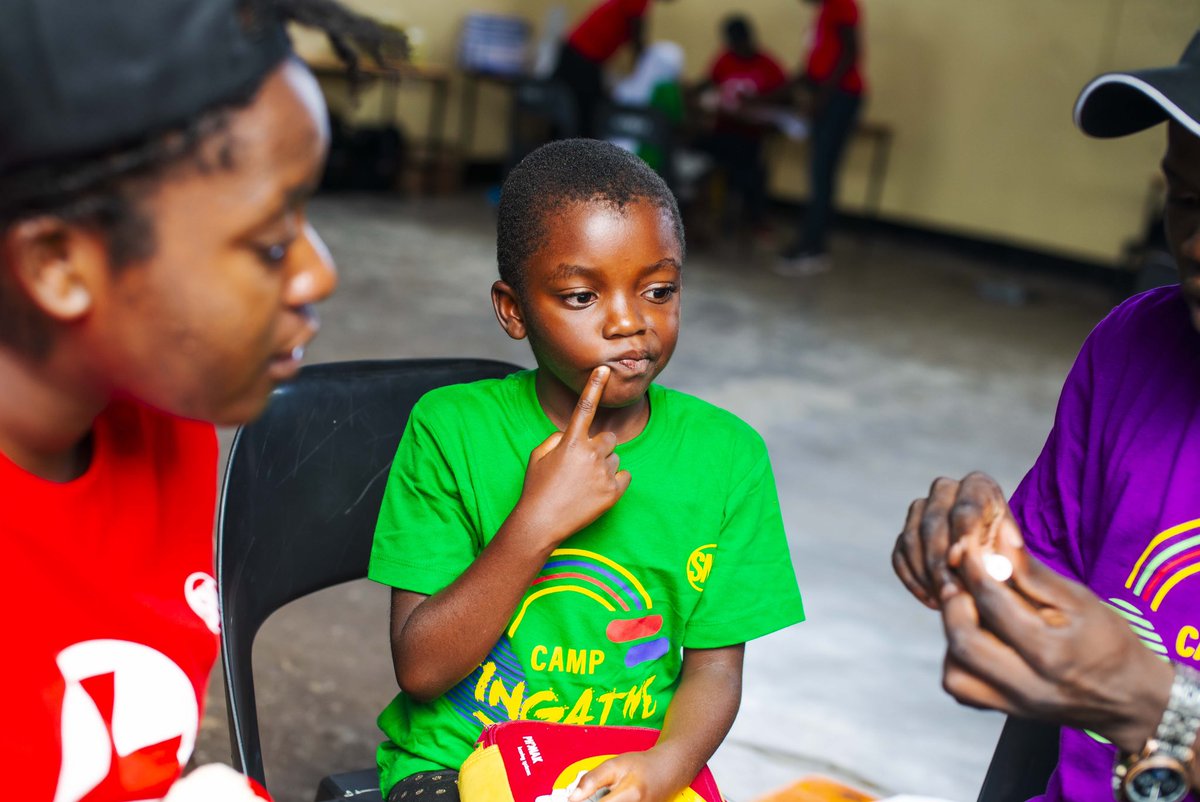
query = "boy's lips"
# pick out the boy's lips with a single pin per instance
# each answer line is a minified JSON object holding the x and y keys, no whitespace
{"x":632,"y":363}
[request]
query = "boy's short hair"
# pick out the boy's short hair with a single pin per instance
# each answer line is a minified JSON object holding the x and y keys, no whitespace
{"x":87,"y":140}
{"x":560,"y":174}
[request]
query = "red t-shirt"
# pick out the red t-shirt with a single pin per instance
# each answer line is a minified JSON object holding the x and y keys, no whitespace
{"x":606,"y":28}
{"x":110,"y":612}
{"x":827,"y":45}
{"x":735,"y":78}
{"x":746,"y":77}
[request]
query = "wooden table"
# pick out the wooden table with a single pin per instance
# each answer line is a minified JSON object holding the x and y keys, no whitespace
{"x":436,"y":77}
{"x":470,"y":102}
{"x":878,"y":134}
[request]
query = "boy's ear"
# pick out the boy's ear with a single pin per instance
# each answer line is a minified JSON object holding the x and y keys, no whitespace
{"x":508,"y":310}
{"x":56,"y":264}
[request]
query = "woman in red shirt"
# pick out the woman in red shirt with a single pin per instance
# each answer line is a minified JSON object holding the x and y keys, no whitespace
{"x":834,"y":75}
{"x":157,"y":274}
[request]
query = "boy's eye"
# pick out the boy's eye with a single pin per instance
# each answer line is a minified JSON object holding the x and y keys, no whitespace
{"x":580,"y":299}
{"x":274,"y":253}
{"x":661,"y":294}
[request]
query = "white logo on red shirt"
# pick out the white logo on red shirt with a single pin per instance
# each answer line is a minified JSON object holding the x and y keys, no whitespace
{"x":200,"y":590}
{"x":129,"y":720}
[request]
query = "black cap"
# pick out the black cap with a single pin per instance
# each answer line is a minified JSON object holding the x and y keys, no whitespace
{"x":1120,"y":103}
{"x":83,"y":76}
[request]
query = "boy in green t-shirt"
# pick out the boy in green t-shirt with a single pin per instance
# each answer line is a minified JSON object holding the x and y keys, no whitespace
{"x":575,"y":543}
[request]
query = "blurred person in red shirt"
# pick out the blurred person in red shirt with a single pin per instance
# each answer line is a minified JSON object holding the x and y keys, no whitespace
{"x":834,"y":77}
{"x":741,"y":74}
{"x":605,"y":29}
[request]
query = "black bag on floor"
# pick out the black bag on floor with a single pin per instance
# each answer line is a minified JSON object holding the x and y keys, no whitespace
{"x":363,"y":158}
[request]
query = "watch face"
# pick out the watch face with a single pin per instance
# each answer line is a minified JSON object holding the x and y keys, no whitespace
{"x":1156,"y":784}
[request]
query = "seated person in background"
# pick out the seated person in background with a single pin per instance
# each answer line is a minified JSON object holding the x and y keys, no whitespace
{"x":740,"y":74}
{"x":605,"y":29}
{"x":576,"y":543}
{"x":653,"y":84}
{"x":1096,"y":630}
{"x":157,"y":273}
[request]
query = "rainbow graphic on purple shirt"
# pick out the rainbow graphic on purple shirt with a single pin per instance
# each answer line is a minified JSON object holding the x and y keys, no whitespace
{"x":1171,"y":557}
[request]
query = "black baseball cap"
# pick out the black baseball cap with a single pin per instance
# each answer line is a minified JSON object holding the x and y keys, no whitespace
{"x":79,"y":77}
{"x":1120,"y":103}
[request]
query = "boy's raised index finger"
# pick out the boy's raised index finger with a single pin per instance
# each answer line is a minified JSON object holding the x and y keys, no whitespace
{"x":589,"y":401}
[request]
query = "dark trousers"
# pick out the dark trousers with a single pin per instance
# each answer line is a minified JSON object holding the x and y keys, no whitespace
{"x":740,"y":156}
{"x":586,"y":82}
{"x":830,"y":132}
{"x":428,"y":786}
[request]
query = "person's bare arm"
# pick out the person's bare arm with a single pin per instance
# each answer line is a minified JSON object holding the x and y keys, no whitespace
{"x":572,"y":479}
{"x":699,"y":717}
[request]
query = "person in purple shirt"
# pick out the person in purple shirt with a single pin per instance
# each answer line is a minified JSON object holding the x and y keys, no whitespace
{"x":1078,"y":602}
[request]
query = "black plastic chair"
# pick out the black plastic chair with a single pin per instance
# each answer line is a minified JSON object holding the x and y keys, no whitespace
{"x":302,"y":491}
{"x":1025,"y":757}
{"x":542,"y":110}
{"x":643,"y":125}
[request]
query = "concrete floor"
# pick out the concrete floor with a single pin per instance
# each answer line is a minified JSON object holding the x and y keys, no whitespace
{"x":904,"y":363}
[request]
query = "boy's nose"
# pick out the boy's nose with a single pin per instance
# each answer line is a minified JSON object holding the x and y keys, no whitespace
{"x":314,"y":275}
{"x":623,"y":319}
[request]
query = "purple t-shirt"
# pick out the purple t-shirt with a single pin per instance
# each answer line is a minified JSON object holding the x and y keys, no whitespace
{"x":1114,"y":499}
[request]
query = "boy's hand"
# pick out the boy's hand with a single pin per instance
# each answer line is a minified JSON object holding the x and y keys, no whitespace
{"x":631,"y":777}
{"x":572,"y":478}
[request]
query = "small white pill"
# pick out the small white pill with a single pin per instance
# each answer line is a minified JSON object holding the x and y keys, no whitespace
{"x":999,"y":567}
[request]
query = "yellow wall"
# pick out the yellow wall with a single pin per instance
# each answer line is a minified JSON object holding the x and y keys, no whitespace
{"x":978,"y":92}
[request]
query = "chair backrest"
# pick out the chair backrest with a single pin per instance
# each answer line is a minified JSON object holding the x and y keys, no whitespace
{"x":644,"y":125}
{"x":1025,"y":757}
{"x":302,"y":491}
{"x":543,"y":109}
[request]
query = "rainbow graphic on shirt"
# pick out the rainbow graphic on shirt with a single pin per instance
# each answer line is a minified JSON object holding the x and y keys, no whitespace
{"x":1140,"y":625}
{"x":608,"y":584}
{"x":484,"y":696}
{"x":498,"y":689}
{"x":1171,"y":557}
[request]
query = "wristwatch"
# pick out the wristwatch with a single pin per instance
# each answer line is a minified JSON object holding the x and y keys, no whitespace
{"x":1162,"y":771}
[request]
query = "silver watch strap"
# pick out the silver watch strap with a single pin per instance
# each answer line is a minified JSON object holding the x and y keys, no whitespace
{"x":1177,"y":731}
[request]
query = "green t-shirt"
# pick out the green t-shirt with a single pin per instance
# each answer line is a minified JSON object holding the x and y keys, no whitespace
{"x":693,"y":555}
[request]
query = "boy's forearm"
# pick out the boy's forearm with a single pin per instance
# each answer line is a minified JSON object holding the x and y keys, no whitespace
{"x":702,"y":710}
{"x":475,"y":608}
